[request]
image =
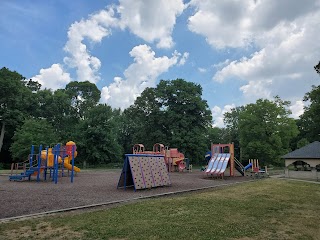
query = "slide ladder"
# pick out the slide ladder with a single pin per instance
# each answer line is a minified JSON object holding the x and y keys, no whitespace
{"x":239,"y":166}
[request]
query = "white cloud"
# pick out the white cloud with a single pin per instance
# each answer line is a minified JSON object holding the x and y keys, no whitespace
{"x":285,"y":34}
{"x":222,"y":23}
{"x":53,"y":77}
{"x":153,"y":21}
{"x":139,"y":75}
{"x":202,"y":70}
{"x":297,"y":109}
{"x":94,"y":29}
{"x":183,"y":59}
{"x":217,"y":114}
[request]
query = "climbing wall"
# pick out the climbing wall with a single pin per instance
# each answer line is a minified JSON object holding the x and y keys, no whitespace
{"x":136,"y":171}
{"x":163,"y":171}
{"x":155,"y":171}
{"x":144,"y":171}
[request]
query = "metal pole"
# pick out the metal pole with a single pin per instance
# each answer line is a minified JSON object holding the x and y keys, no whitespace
{"x":72,"y":168}
{"x":39,"y":163}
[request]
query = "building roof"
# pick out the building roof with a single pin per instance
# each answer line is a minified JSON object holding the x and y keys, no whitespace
{"x":311,"y":150}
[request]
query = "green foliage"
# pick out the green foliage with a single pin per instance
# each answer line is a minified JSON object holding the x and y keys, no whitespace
{"x":231,"y":120}
{"x":266,"y":130}
{"x":317,"y":68}
{"x":302,"y":142}
{"x":32,"y":132}
{"x":174,"y":114}
{"x":83,"y":96}
{"x":97,"y":138}
{"x":309,"y":124}
{"x":15,"y":104}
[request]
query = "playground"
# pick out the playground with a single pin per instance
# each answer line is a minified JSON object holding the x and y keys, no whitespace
{"x":89,"y":187}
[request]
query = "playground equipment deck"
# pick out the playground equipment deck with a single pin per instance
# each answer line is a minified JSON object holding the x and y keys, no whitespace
{"x":90,"y":187}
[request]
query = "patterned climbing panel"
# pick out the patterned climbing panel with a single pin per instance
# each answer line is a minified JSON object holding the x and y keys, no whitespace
{"x":163,"y":171}
{"x":137,"y":174}
{"x":155,"y":171}
{"x":144,"y":171}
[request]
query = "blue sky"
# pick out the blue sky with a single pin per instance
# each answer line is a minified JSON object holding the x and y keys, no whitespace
{"x":238,"y":51}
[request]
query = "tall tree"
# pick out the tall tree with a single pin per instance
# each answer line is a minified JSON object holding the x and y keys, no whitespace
{"x":231,"y":120}
{"x":84,"y":96}
{"x":266,"y":130}
{"x":32,"y":132}
{"x":309,"y":123}
{"x":14,"y":103}
{"x":98,"y":139}
{"x":174,"y":114}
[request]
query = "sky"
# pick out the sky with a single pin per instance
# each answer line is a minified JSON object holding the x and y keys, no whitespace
{"x":237,"y":50}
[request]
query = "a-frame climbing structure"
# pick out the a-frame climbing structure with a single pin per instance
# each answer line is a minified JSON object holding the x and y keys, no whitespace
{"x":144,"y":171}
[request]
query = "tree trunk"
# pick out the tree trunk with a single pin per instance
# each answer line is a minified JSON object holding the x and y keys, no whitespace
{"x":2,"y":135}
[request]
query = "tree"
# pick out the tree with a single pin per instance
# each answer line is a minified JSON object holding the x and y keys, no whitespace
{"x":174,"y":114}
{"x":83,"y":95}
{"x":266,"y":130}
{"x":309,"y":124}
{"x":317,"y":68}
{"x":14,"y":103}
{"x":32,"y":132}
{"x":98,"y":139}
{"x":302,"y":142}
{"x":231,"y":120}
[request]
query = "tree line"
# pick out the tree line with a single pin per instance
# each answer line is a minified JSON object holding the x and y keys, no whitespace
{"x":173,"y":113}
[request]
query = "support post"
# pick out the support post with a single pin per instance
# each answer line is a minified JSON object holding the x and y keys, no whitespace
{"x":72,"y":168}
{"x":39,"y":163}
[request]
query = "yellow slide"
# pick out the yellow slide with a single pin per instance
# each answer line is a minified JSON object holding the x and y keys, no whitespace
{"x":67,"y":164}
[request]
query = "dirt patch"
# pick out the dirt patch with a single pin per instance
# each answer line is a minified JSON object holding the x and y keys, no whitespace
{"x":88,"y":188}
{"x":43,"y":230}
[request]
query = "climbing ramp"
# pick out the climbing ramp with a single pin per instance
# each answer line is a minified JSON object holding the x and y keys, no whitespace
{"x":144,"y":171}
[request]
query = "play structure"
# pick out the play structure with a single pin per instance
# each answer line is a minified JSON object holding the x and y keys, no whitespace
{"x":174,"y":160}
{"x":255,"y":170}
{"x":220,"y":158}
{"x":144,"y":171}
{"x":49,"y":161}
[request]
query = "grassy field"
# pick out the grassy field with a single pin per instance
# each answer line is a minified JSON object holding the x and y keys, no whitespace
{"x":265,"y":209}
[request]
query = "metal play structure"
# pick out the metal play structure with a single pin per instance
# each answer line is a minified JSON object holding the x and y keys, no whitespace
{"x":48,"y":161}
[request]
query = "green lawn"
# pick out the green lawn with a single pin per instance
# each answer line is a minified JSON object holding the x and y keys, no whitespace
{"x":265,"y":209}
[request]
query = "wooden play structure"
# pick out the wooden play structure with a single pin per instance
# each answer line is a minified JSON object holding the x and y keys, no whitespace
{"x":143,"y":171}
{"x":255,"y":170}
{"x":173,"y":158}
{"x":222,"y":156}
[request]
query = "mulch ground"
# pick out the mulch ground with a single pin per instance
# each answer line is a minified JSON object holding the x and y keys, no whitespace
{"x":89,"y":187}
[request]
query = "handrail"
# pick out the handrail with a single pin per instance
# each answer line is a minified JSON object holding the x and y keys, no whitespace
{"x":239,"y":163}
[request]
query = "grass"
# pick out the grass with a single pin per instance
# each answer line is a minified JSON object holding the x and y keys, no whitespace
{"x":267,"y":209}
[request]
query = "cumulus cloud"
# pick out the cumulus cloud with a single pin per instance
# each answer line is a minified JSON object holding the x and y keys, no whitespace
{"x":94,"y":29}
{"x":285,"y":34}
{"x":139,"y":75}
{"x":217,"y":114}
{"x":297,"y":109}
{"x":153,"y":21}
{"x":53,"y":77}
